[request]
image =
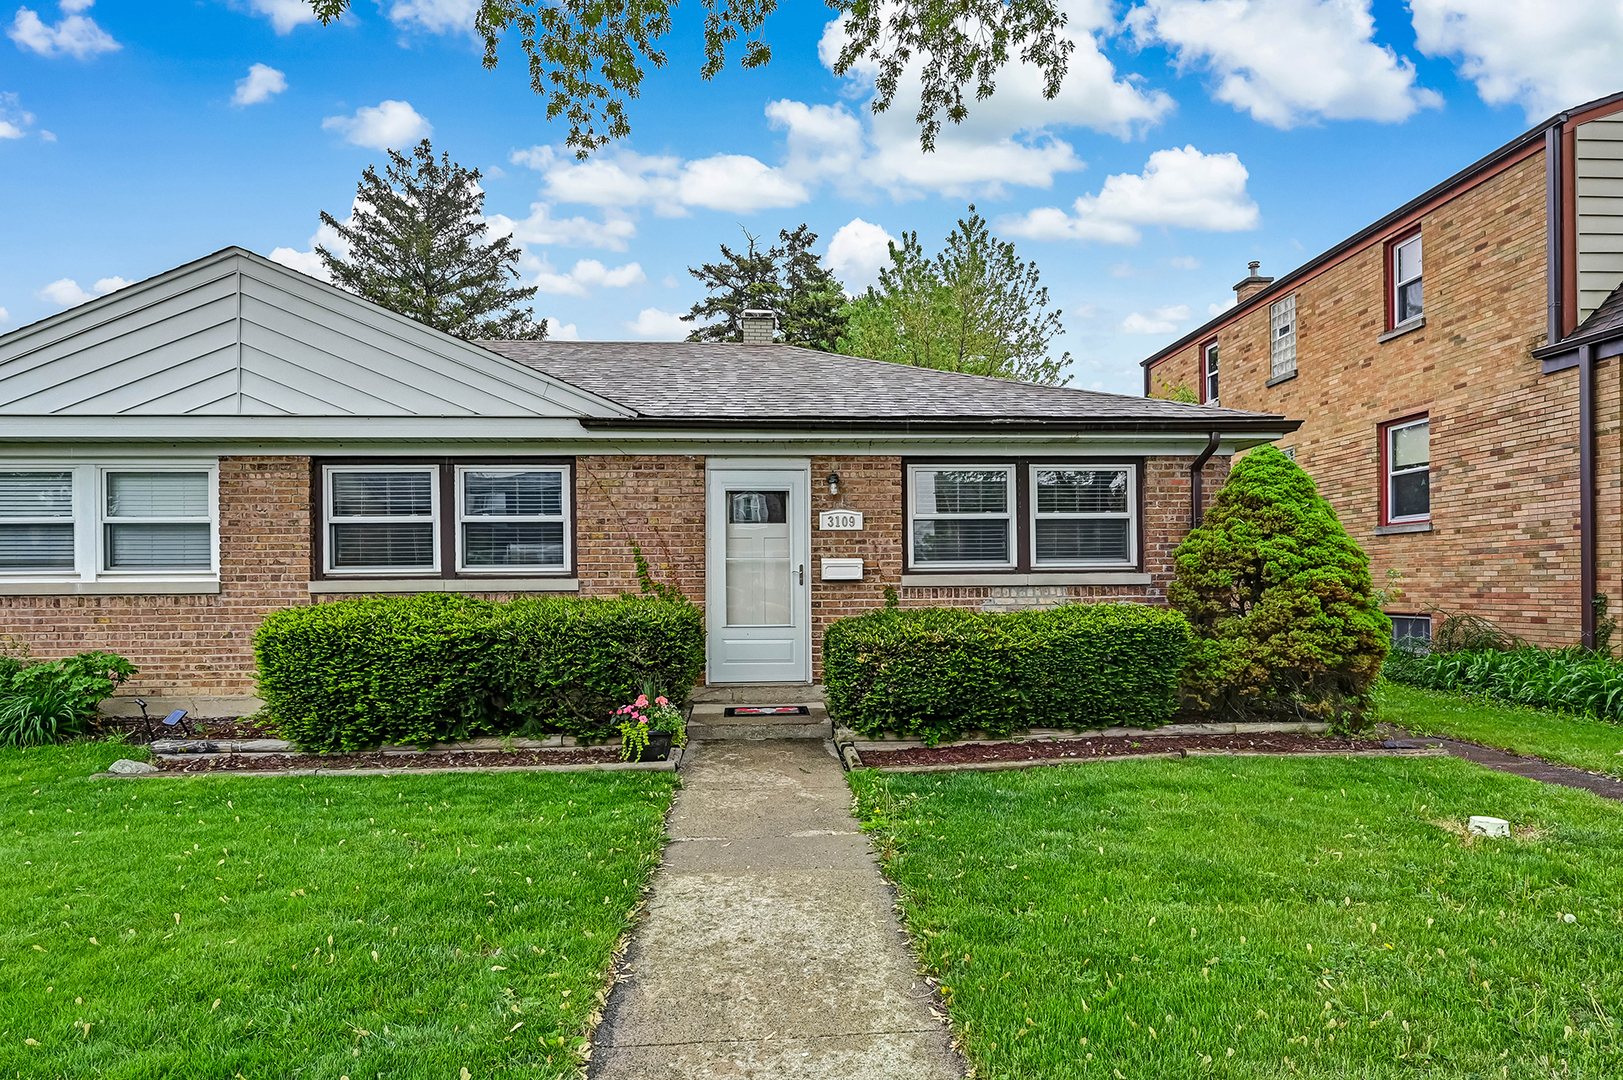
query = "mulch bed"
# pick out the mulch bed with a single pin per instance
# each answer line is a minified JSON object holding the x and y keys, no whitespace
{"x":1083,"y":749}
{"x":592,"y":755}
{"x":217,"y":728}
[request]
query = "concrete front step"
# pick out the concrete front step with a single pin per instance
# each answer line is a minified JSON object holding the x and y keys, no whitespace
{"x":758,"y":694}
{"x":710,"y":722}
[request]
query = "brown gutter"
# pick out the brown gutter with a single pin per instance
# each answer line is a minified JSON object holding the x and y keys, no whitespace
{"x":1196,"y":514}
{"x":1586,"y":493}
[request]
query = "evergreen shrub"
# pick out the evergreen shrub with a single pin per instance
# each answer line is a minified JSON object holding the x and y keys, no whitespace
{"x":1281,"y":602}
{"x":936,"y":673}
{"x":362,"y":673}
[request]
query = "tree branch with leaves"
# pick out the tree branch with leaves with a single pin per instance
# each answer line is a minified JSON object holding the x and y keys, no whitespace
{"x":588,"y":58}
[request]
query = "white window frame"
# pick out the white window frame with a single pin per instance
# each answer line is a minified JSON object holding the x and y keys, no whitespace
{"x":328,"y":521}
{"x":89,"y":520}
{"x":1392,"y":471}
{"x":1209,"y":380}
{"x":1130,"y":515}
{"x":913,"y":516}
{"x":1398,"y":284}
{"x":509,"y":569}
{"x":1281,"y":338}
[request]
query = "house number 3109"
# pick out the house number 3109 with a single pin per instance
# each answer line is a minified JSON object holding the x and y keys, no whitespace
{"x":839,"y":519}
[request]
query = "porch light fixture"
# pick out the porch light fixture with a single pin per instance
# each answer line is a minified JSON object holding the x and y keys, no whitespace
{"x":833,"y":483}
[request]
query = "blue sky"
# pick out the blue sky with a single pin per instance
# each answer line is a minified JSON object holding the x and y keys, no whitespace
{"x":1190,"y":137}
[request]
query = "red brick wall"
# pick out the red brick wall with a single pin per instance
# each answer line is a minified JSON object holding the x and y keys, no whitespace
{"x":1504,"y":450}
{"x":194,"y":644}
{"x":203,"y":645}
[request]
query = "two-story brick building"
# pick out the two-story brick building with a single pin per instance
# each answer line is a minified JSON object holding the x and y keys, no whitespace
{"x":1456,"y":367}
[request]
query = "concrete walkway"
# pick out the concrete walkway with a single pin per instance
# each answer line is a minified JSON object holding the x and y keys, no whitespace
{"x":770,"y":947}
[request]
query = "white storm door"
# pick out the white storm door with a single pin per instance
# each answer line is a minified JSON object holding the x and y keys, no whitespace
{"x":757,"y":577}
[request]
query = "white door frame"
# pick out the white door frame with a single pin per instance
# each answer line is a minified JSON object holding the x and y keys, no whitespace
{"x":719,"y":472}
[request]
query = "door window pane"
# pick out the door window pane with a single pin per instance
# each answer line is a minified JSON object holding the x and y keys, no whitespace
{"x":36,"y":520}
{"x":758,"y":556}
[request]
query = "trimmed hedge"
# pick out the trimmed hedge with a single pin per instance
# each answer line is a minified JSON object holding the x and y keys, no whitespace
{"x":362,"y":673}
{"x":935,"y":673}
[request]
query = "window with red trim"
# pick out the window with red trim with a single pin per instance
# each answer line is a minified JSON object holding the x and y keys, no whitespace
{"x":1208,"y":372}
{"x":1404,"y":296}
{"x":1406,"y":471}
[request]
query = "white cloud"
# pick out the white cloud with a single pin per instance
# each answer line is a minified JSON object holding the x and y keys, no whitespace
{"x":857,"y":251}
{"x":261,"y":84}
{"x":544,"y":230}
{"x":1162,"y":320}
{"x":1182,"y":188}
{"x":657,"y":325}
{"x":76,"y":35}
{"x":434,"y":16}
{"x":308,"y":262}
{"x":1185,"y":262}
{"x":1289,"y":62}
{"x":14,"y":119}
{"x":732,"y":182}
{"x":284,"y":15}
{"x":388,"y":124}
{"x":1546,"y":57}
{"x":557,"y":331}
{"x":587,"y":274}
{"x":5,"y":316}
{"x":1214,"y":310}
{"x":47,"y":136}
{"x":65,"y":292}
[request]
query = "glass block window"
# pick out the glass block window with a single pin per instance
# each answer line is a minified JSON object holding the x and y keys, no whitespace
{"x":1082,"y":516}
{"x":962,"y":516}
{"x":157,"y":521}
{"x":1408,"y":471}
{"x":382,"y":518}
{"x":1282,"y":337}
{"x":511,"y":518}
{"x":37,"y":521}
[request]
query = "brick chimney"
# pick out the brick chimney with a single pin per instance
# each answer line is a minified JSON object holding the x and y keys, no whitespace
{"x":1252,"y":285}
{"x":759,"y":326}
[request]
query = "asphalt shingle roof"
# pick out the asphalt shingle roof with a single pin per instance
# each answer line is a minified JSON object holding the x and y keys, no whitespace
{"x":714,"y":381}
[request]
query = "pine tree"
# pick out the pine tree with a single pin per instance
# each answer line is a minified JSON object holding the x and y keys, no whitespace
{"x":786,"y":278}
{"x":417,"y":245}
{"x":975,"y":308}
{"x":1286,"y":621}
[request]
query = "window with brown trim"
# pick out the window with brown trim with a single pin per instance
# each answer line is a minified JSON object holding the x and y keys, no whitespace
{"x":1022,"y":515}
{"x":444,"y":518}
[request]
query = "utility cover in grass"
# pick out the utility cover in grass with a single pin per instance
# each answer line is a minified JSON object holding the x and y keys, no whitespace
{"x":1281,"y":601}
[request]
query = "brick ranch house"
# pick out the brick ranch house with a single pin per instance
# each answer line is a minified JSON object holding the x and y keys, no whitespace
{"x":184,"y":455}
{"x":1458,"y":368}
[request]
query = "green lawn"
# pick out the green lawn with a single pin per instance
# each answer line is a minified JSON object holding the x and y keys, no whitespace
{"x":1590,"y":744}
{"x":1262,"y":917}
{"x":322,"y":927}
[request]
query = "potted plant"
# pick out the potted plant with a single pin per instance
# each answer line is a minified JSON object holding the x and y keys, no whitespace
{"x":648,"y":729}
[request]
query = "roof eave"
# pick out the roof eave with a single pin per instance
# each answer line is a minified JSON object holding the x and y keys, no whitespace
{"x":1261,"y":424}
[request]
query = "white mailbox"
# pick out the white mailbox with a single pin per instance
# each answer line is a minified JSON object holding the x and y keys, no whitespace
{"x":842,"y":569}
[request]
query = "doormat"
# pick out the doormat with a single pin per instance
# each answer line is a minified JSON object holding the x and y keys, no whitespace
{"x":766,"y":710}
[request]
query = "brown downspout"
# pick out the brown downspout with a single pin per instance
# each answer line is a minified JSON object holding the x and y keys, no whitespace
{"x":1586,"y":493}
{"x":1196,"y":514}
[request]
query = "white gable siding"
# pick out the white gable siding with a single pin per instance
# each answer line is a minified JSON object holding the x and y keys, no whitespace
{"x":237,"y":335}
{"x":1599,"y":181}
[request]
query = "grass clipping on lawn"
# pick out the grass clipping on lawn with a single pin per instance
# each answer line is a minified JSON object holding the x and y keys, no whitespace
{"x":408,"y":927}
{"x":1262,"y":918}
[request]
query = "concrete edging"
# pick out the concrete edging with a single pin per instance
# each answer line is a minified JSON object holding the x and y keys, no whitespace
{"x":998,"y":766}
{"x":1259,"y":727}
{"x":603,"y":766}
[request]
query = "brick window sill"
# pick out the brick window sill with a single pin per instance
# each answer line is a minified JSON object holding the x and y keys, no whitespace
{"x":112,"y":587}
{"x":1101,"y":577}
{"x":1400,"y":329}
{"x":1403,"y":528}
{"x":431,"y":584}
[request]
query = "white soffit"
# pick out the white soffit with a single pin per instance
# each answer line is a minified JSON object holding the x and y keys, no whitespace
{"x":236,"y":334}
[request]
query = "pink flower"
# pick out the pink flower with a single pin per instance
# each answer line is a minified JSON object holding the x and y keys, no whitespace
{"x":642,"y":700}
{"x":661,"y":700}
